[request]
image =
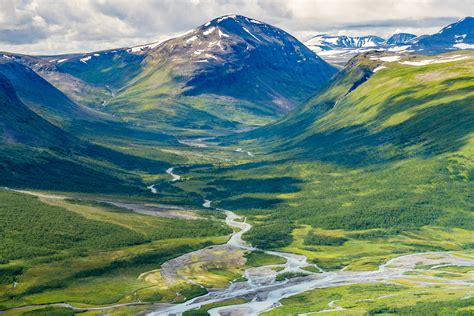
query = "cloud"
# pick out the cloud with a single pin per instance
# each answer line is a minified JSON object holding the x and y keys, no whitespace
{"x":61,"y":26}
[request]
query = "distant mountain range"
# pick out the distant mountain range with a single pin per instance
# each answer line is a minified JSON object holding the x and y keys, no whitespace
{"x":325,"y":42}
{"x":340,"y":48}
{"x":228,"y":74}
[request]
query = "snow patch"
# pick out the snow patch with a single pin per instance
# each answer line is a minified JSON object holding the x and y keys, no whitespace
{"x":378,"y":68}
{"x":433,"y":61}
{"x":221,"y":34}
{"x":460,"y":38}
{"x":211,"y":56}
{"x":369,"y":44}
{"x":138,"y":49}
{"x":152,"y":189}
{"x":226,"y":17}
{"x":399,"y":48}
{"x":246,"y":30}
{"x":215,"y":43}
{"x":255,"y":21}
{"x":390,"y":58}
{"x":209,"y":31}
{"x":85,"y":59}
{"x":386,"y":58}
{"x":464,"y":46}
{"x":191,"y":39}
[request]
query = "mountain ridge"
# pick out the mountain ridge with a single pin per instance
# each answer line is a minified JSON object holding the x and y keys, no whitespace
{"x":229,"y":73}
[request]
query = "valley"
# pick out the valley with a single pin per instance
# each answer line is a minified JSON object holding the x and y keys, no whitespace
{"x":232,"y":171}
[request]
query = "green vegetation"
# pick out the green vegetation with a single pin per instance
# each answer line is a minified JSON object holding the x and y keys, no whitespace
{"x":51,"y":311}
{"x":312,"y":269}
{"x":351,"y":179}
{"x":313,"y":239}
{"x":289,"y":275}
{"x":90,"y":252}
{"x":271,"y":235}
{"x":379,"y":299}
{"x":30,"y":229}
{"x":259,"y":258}
{"x":429,"y":308}
{"x":203,"y":311}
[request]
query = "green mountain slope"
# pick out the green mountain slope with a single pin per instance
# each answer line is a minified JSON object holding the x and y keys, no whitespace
{"x":20,"y":125}
{"x":403,"y":110}
{"x":225,"y":74}
{"x":37,"y":154}
{"x":230,"y":73}
{"x":382,"y":156}
{"x":42,"y":97}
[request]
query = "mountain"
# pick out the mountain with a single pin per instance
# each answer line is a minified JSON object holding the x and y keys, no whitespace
{"x":388,"y":144}
{"x":325,"y":42}
{"x":338,"y":49}
{"x":50,"y":103}
{"x":458,"y":35}
{"x":42,"y":97}
{"x":35,"y":153}
{"x":400,"y":39}
{"x":20,"y":125}
{"x":229,"y":72}
{"x":426,"y":115}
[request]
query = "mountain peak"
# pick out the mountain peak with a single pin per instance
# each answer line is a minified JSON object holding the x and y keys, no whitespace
{"x":400,"y":38}
{"x":241,"y":60}
{"x":232,"y":18}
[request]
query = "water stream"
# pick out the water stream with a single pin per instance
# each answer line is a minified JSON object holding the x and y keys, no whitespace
{"x":264,"y":292}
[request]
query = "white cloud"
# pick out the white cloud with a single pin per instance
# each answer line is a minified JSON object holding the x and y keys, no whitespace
{"x":47,"y":27}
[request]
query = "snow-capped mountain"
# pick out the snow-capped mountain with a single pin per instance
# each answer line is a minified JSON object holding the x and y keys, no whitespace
{"x":229,"y":72}
{"x":240,"y":57}
{"x":400,"y":39}
{"x":339,"y":49}
{"x":458,"y":35}
{"x":325,"y":42}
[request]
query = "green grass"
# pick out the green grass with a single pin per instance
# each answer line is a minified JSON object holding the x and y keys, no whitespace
{"x":289,"y":275}
{"x":51,"y":311}
{"x":203,"y":311}
{"x":259,"y":258}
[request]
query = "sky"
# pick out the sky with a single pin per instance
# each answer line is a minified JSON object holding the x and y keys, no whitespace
{"x":67,"y":26}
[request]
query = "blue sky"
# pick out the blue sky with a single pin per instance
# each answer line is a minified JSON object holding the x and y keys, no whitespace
{"x":64,"y":26}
